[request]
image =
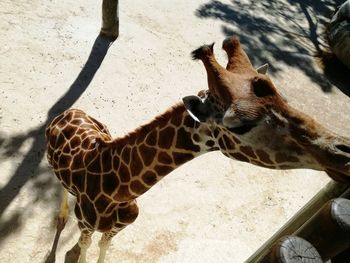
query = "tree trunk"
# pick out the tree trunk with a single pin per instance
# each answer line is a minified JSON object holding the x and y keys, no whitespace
{"x":110,"y":19}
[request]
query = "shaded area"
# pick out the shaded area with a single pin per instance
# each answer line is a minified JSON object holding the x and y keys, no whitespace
{"x":335,"y":71}
{"x":291,"y":32}
{"x":29,"y":168}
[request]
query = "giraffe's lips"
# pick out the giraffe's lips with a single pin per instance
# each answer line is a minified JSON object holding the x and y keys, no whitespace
{"x":338,"y":176}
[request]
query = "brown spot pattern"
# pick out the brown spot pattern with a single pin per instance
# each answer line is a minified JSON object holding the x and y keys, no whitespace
{"x":123,"y":193}
{"x":126,"y":154}
{"x":93,"y":186}
{"x":65,"y":176}
{"x":263,"y":156}
{"x":128,"y":214}
{"x":138,"y":188}
{"x":77,"y":212}
{"x":136,"y":165}
{"x":77,"y":162}
{"x":106,"y":160}
{"x":240,"y":157}
{"x":151,"y":138}
{"x":283,"y":157}
{"x":115,"y":163}
{"x":180,"y":158}
{"x":147,"y":154}
{"x":162,"y":170}
{"x":64,"y":160}
{"x":78,"y":179}
{"x":88,"y":210}
{"x":166,"y":137}
{"x":221,"y":144}
{"x":110,"y":182}
{"x":210,"y":143}
{"x":247,"y":150}
{"x":95,"y":166}
{"x":189,"y":122}
{"x":149,"y":178}
{"x":106,"y":223}
{"x":185,"y":142}
{"x":75,"y":142}
{"x":124,"y":173}
{"x":101,"y":203}
{"x":176,"y":120}
{"x":164,"y":158}
{"x":196,"y":138}
{"x":230,"y":145}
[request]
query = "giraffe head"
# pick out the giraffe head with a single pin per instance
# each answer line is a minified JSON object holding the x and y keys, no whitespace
{"x":252,"y":122}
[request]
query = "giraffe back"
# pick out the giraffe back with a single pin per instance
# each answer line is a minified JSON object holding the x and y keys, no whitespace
{"x":72,"y":144}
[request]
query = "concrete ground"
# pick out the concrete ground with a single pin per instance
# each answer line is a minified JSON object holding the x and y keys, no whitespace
{"x":212,"y":209}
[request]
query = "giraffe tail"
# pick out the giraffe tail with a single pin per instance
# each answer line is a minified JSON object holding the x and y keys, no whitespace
{"x":64,"y":209}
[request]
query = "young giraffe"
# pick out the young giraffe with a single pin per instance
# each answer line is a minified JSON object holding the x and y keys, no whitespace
{"x":241,"y":114}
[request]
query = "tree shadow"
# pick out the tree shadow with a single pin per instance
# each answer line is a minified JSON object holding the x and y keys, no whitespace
{"x":274,"y":31}
{"x":29,"y":169}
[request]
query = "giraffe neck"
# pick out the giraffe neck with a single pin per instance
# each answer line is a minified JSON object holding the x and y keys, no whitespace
{"x":331,"y":151}
{"x":143,"y":157}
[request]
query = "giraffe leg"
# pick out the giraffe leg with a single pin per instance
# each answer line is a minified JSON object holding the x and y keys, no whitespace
{"x":84,"y":243}
{"x":105,"y":242}
{"x":72,"y":256}
{"x":61,"y":222}
{"x":64,"y":212}
{"x":126,"y":214}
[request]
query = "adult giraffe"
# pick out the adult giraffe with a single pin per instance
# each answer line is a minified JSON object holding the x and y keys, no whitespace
{"x":241,"y":114}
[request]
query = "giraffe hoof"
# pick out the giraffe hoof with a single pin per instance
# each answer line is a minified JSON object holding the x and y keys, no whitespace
{"x":72,"y":256}
{"x":50,"y":258}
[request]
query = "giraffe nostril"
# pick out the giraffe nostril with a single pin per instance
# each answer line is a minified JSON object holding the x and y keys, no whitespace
{"x":343,"y":148}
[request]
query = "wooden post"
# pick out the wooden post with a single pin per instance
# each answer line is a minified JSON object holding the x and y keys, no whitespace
{"x":330,"y":191}
{"x":292,"y":249}
{"x":110,"y":19}
{"x":329,"y":229}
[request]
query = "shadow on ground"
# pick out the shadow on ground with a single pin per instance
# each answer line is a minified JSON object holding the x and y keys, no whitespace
{"x":275,"y":32}
{"x":29,"y":169}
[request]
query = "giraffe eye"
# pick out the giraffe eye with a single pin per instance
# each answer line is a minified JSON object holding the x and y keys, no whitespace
{"x":242,"y":129}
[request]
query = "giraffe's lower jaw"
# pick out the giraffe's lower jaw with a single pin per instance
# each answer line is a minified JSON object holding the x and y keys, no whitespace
{"x":338,"y":176}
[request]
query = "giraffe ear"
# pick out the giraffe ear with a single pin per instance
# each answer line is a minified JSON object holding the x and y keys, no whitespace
{"x":197,"y":108}
{"x":263,"y":69}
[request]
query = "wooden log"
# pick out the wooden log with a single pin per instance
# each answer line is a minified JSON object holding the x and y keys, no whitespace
{"x":331,"y":190}
{"x":292,"y":249}
{"x":329,"y":229}
{"x":110,"y":19}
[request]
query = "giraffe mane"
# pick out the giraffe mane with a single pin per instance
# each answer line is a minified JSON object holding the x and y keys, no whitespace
{"x":159,"y":121}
